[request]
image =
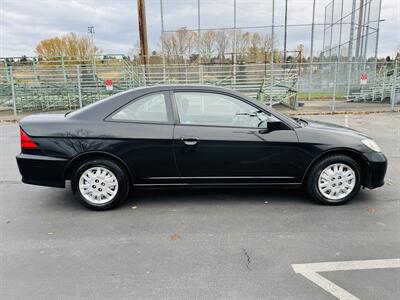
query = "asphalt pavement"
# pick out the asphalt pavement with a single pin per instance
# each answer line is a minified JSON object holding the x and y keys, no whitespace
{"x":204,"y":243}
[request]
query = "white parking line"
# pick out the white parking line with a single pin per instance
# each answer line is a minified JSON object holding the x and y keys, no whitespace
{"x":346,"y":121}
{"x":310,"y":271}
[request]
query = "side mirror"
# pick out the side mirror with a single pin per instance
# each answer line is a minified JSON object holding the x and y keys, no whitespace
{"x":271,"y":125}
{"x":263,"y":125}
{"x":263,"y":131}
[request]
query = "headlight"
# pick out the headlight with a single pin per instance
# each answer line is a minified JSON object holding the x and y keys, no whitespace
{"x":371,"y":145}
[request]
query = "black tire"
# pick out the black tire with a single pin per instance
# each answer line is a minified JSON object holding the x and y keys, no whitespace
{"x":317,"y":169}
{"x":120,"y":174}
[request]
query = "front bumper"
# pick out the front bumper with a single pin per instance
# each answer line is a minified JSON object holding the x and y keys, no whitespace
{"x":377,"y":165}
{"x":42,"y":170}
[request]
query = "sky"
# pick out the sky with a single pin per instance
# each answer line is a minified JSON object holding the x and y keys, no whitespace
{"x":23,"y":23}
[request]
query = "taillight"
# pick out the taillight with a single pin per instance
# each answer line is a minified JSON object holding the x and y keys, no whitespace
{"x":26,"y":142}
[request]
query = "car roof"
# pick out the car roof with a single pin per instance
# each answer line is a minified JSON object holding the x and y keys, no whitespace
{"x":105,"y":106}
{"x":197,"y":87}
{"x":182,"y":86}
{"x":100,"y":109}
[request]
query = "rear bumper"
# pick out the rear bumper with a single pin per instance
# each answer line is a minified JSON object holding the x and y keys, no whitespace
{"x":42,"y":170}
{"x":377,"y":165}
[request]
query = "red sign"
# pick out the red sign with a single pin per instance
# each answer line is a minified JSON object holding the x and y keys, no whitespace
{"x":363,"y":78}
{"x":109,"y":84}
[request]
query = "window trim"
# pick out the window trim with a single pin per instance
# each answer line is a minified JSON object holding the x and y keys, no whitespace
{"x":176,"y":113}
{"x":167,"y":98}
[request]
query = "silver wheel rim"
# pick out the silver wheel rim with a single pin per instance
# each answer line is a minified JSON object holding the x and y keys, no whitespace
{"x":336,"y":181}
{"x":98,"y":185}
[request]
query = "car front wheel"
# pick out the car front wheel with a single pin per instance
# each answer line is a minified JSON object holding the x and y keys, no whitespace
{"x":334,"y":180}
{"x":100,"y":184}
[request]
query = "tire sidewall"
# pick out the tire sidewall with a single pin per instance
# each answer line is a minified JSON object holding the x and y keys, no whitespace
{"x":313,"y":183}
{"x":123,"y":183}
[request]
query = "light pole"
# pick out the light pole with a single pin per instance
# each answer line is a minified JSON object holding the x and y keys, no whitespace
{"x":285,"y":34}
{"x":91,"y":32}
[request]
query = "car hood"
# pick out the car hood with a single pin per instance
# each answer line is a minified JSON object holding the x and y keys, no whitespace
{"x":333,"y":127}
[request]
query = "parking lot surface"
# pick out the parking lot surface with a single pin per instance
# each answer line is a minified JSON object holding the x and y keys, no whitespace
{"x":199,"y":244}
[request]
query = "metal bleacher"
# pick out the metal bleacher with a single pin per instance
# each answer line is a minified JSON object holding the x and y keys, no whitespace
{"x":62,"y":85}
{"x":380,"y":89}
{"x":282,"y":90}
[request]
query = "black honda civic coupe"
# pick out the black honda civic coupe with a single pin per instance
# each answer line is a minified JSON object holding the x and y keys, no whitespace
{"x":175,"y":135}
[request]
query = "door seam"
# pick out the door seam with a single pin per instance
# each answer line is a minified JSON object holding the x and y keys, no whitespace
{"x":174,"y":151}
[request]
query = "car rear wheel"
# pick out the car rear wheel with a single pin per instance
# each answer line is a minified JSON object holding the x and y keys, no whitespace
{"x":100,"y":184}
{"x":334,"y":180}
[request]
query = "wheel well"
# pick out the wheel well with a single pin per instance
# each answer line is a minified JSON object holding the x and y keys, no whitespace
{"x":362,"y":162}
{"x":76,"y":161}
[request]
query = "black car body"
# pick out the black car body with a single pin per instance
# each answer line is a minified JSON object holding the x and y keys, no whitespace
{"x":165,"y":151}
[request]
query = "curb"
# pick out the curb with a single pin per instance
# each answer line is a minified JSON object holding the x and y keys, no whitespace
{"x":8,"y":121}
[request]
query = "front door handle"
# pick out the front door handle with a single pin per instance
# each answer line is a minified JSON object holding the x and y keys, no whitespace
{"x":190,"y":140}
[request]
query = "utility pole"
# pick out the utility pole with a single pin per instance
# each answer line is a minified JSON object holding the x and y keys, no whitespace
{"x":162,"y":40}
{"x":285,"y":37}
{"x":144,"y":50}
{"x":350,"y":50}
{"x":234,"y":58}
{"x":271,"y":84}
{"x":359,"y":29}
{"x":198,"y":31}
{"x":311,"y":52}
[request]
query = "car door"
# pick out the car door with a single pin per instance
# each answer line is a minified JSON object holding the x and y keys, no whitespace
{"x":146,"y":125}
{"x":221,"y":138}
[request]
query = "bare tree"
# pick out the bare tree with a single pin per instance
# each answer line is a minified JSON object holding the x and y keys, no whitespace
{"x":168,"y":41}
{"x":242,"y":45}
{"x":179,"y":45}
{"x":397,"y":57}
{"x":207,"y":45}
{"x":222,"y":41}
{"x":134,"y":52}
{"x":266,"y":47}
{"x":185,"y":42}
{"x":249,"y":47}
{"x":254,"y":47}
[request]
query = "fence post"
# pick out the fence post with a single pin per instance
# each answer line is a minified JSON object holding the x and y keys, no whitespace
{"x":94,"y":69}
{"x":311,"y":53}
{"x":63,"y":68}
{"x":201,"y":79}
{"x":143,"y":68}
{"x":234,"y":75}
{"x":393,"y":94}
{"x":271,"y":84}
{"x":14,"y":99}
{"x":78,"y":76}
{"x":133,"y":78}
{"x":334,"y":86}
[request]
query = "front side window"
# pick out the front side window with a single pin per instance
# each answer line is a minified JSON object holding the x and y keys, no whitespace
{"x":218,"y":110}
{"x":150,"y":108}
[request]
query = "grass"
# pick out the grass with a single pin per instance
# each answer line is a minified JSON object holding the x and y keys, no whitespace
{"x":319,"y":95}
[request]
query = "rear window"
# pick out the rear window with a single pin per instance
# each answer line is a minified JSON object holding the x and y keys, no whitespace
{"x":150,"y":108}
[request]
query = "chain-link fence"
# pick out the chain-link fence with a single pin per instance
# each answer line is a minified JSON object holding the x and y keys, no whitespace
{"x":320,"y":87}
